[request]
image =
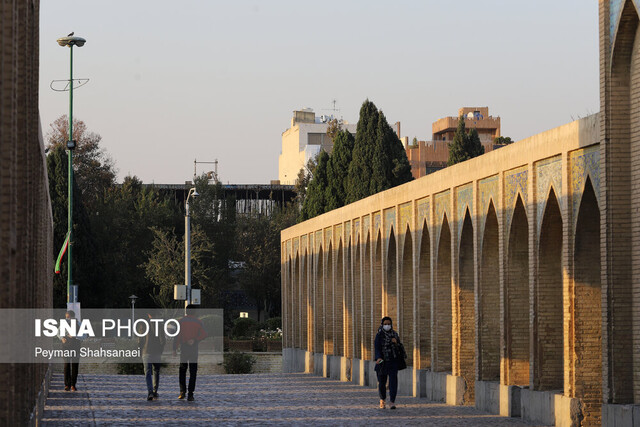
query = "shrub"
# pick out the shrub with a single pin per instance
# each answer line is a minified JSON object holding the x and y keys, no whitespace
{"x":238,"y":363}
{"x":273,"y":324}
{"x":244,"y":327}
{"x":130,"y":369}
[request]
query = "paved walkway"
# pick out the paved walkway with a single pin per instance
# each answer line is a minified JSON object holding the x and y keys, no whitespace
{"x":260,"y":399}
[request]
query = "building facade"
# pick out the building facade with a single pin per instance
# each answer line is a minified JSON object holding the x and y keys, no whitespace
{"x":303,"y":141}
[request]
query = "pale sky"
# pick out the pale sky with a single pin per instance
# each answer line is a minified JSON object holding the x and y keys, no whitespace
{"x":174,"y":81}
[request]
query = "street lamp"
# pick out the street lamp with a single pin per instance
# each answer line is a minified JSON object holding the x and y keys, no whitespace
{"x":133,"y":299}
{"x":187,"y":245}
{"x":71,"y":144}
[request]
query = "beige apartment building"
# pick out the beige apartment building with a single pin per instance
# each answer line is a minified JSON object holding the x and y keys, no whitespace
{"x":303,"y":141}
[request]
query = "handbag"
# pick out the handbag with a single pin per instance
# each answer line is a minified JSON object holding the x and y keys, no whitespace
{"x":402,"y":363}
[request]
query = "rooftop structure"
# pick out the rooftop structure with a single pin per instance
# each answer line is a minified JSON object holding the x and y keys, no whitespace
{"x":303,"y":141}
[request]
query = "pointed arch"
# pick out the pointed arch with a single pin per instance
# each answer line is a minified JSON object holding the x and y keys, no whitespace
{"x":338,"y":299}
{"x":548,"y":331}
{"x":377,"y":290}
{"x":306,"y":306}
{"x":517,"y":299}
{"x":390,"y":306}
{"x":319,"y":303}
{"x":329,"y":299}
{"x":367,"y":300}
{"x":295,"y":302}
{"x":442,"y":302}
{"x":358,"y":326}
{"x":489,"y":299}
{"x":587,"y":323}
{"x":407,"y":297}
{"x":466,"y":313}
{"x":349,"y":304}
{"x":424,"y":301}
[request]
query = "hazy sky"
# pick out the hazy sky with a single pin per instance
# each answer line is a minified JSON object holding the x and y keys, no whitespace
{"x":174,"y":81}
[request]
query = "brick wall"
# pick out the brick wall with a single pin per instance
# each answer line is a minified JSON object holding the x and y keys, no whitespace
{"x":26,"y":225}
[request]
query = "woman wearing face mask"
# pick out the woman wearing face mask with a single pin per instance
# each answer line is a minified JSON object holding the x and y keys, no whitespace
{"x":388,"y":353}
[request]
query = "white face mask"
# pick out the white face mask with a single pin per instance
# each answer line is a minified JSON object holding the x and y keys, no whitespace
{"x":386,"y":327}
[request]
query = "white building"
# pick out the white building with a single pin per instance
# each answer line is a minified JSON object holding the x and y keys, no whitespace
{"x":303,"y":141}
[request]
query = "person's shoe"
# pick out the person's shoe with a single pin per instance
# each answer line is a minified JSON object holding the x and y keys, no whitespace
{"x":155,"y":395}
{"x":393,"y":406}
{"x":181,"y":395}
{"x":73,"y":388}
{"x":67,"y":388}
{"x":150,"y":396}
{"x":382,"y":405}
{"x":190,"y":398}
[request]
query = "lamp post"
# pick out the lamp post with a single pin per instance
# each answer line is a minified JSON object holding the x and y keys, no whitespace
{"x":71,"y":144}
{"x":187,"y":245}
{"x":133,"y":299}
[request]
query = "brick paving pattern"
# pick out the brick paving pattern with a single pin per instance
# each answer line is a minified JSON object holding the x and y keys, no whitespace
{"x":259,"y":399}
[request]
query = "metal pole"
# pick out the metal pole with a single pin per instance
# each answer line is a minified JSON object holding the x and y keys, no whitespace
{"x":187,"y":253}
{"x":70,"y":178}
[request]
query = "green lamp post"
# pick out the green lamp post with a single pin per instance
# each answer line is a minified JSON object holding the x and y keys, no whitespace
{"x":70,"y":41}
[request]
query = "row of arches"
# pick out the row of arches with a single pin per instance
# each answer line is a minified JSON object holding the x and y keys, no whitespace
{"x":470,"y":309}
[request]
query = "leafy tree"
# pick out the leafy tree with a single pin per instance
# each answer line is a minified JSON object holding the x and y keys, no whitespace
{"x":337,"y":170}
{"x":305,"y":174}
{"x":464,"y":145}
{"x":315,"y":203}
{"x":414,"y":143}
{"x":123,"y":224}
{"x":379,"y":160}
{"x":165,"y":264}
{"x":502,"y":140}
{"x":83,"y":243}
{"x":259,"y":248}
{"x":93,"y":168}
{"x":333,"y":128}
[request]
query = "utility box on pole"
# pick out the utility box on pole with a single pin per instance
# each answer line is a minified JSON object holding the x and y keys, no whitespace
{"x":180,"y":292}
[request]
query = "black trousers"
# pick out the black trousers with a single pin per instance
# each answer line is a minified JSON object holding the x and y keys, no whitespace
{"x":390,"y":372}
{"x":70,"y":372}
{"x":193,"y":369}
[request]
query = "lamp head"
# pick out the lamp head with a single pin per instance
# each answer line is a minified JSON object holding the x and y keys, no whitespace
{"x":195,"y":193}
{"x":71,"y":41}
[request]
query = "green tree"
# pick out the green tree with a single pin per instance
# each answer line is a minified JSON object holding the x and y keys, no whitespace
{"x":337,"y":170}
{"x":123,"y":225}
{"x":464,"y":145}
{"x":259,"y":248}
{"x":93,"y":168}
{"x":302,"y":181}
{"x":502,"y":140}
{"x":165,"y":264}
{"x":84,"y":245}
{"x":379,"y":160}
{"x":315,"y":203}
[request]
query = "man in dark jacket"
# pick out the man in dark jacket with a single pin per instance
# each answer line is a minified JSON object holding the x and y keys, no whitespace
{"x":71,"y":345}
{"x":191,"y":333}
{"x":152,"y":347}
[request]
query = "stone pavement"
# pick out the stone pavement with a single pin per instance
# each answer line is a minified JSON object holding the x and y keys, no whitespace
{"x":258,"y":399}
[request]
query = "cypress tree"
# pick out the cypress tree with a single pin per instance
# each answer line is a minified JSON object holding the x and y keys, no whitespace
{"x":379,"y":160}
{"x":338,"y":169}
{"x":315,"y":202}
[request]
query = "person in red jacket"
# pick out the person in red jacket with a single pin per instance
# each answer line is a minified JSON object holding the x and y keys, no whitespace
{"x":191,"y":333}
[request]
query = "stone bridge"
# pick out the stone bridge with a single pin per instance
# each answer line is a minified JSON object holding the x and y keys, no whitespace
{"x":511,"y":277}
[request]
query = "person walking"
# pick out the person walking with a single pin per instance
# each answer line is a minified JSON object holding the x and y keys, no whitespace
{"x":191,"y":333}
{"x":71,"y":346}
{"x":152,"y":347}
{"x":388,"y":353}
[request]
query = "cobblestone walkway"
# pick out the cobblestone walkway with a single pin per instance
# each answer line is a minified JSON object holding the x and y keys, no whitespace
{"x":261,"y":399}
